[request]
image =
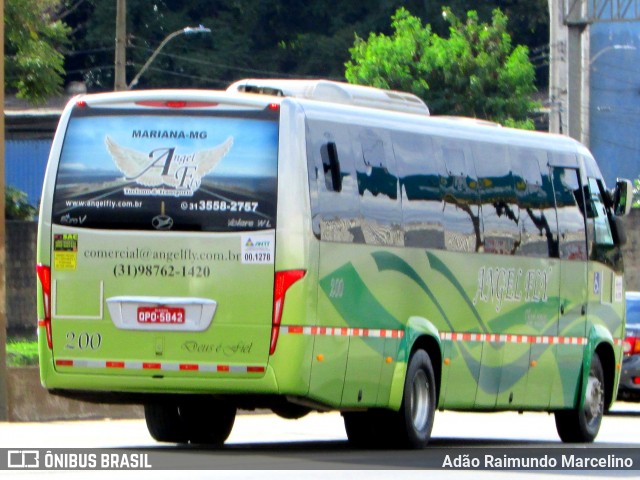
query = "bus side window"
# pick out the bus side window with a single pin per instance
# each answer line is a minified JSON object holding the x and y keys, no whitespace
{"x":378,"y":186}
{"x":499,"y":207}
{"x":570,"y":206}
{"x":599,"y":222}
{"x":421,"y":173}
{"x":462,"y":232}
{"x":538,"y":222}
{"x":334,"y":211}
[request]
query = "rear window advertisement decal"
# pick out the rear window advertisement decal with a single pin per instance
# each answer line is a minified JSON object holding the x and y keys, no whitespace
{"x":140,"y":173}
{"x":182,"y":172}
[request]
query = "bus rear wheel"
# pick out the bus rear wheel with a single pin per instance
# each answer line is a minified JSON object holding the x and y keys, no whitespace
{"x":410,"y":427}
{"x":164,"y":423}
{"x":207,"y":422}
{"x":583,"y":423}
{"x":412,"y":424}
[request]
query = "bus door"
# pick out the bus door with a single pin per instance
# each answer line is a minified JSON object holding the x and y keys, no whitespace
{"x":605,"y":275}
{"x":571,"y":335}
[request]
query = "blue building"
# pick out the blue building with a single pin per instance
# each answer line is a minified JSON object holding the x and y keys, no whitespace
{"x":614,"y":105}
{"x":28,"y":136}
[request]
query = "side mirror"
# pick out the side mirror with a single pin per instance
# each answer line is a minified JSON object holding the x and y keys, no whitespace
{"x":622,"y":197}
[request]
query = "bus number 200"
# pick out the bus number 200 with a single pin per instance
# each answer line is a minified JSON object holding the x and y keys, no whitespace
{"x":83,"y":341}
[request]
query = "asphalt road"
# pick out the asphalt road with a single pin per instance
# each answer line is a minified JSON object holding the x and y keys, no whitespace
{"x":265,"y":446}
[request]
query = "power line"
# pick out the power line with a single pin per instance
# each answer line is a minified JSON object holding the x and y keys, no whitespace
{"x":225,"y":66}
{"x":186,"y":75}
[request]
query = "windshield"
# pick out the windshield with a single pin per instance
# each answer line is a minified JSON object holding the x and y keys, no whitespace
{"x":168,"y":171}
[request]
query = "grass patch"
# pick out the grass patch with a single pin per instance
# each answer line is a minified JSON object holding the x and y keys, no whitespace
{"x":22,"y":353}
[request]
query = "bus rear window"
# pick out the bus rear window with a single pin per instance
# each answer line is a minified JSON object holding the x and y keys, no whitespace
{"x":168,"y":171}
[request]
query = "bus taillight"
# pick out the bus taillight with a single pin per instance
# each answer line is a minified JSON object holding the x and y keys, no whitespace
{"x":282,"y":281}
{"x":44,"y":275}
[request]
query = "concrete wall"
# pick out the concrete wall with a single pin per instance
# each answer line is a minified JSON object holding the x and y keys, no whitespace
{"x":29,"y":402}
{"x":631,"y":250}
{"x":21,"y":277}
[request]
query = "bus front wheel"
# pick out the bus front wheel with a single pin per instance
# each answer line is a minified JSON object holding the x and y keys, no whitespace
{"x":583,"y":423}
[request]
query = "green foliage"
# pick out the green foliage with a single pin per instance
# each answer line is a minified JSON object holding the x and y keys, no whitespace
{"x":22,"y":353}
{"x":16,"y":206}
{"x":34,"y":67}
{"x":474,"y":72}
{"x":261,"y":38}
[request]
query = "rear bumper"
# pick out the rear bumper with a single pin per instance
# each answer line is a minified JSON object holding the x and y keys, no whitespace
{"x":287,"y":373}
{"x":132,"y":388}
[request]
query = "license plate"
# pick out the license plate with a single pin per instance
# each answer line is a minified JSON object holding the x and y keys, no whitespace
{"x":161,"y":315}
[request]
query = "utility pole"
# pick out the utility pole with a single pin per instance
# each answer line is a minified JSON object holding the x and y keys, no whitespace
{"x":120,"y":73}
{"x":577,"y":24}
{"x":4,"y":396}
{"x":569,"y":71}
{"x":568,"y":77}
{"x":558,"y":71}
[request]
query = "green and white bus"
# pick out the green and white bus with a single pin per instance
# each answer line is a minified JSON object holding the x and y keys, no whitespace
{"x":316,"y":246}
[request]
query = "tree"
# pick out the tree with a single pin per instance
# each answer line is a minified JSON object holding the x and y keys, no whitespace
{"x":16,"y":206}
{"x":475,"y":72}
{"x":261,"y":38}
{"x":33,"y":37}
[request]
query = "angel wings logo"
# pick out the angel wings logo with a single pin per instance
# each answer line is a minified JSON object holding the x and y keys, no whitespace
{"x":166,"y":167}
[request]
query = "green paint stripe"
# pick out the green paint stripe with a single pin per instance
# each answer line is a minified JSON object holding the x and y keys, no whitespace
{"x":357,"y":305}
{"x":440,"y":267}
{"x":390,"y":262}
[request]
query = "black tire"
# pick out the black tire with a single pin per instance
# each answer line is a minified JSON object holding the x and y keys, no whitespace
{"x":290,"y":411}
{"x":164,"y":424}
{"x":202,"y":422}
{"x":208,"y":423}
{"x":410,"y":427}
{"x":581,"y":425}
{"x":363,"y":429}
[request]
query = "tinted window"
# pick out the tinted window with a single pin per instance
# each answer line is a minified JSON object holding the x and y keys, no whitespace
{"x":121,"y":169}
{"x":602,"y":246}
{"x":422,"y":173}
{"x":460,"y":189}
{"x":599,"y":221}
{"x":335,"y":214}
{"x":378,"y":187}
{"x":570,"y":207}
{"x":497,"y":197}
{"x":534,"y":193}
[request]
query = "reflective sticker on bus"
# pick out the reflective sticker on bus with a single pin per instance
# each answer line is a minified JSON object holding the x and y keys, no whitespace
{"x":163,"y":366}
